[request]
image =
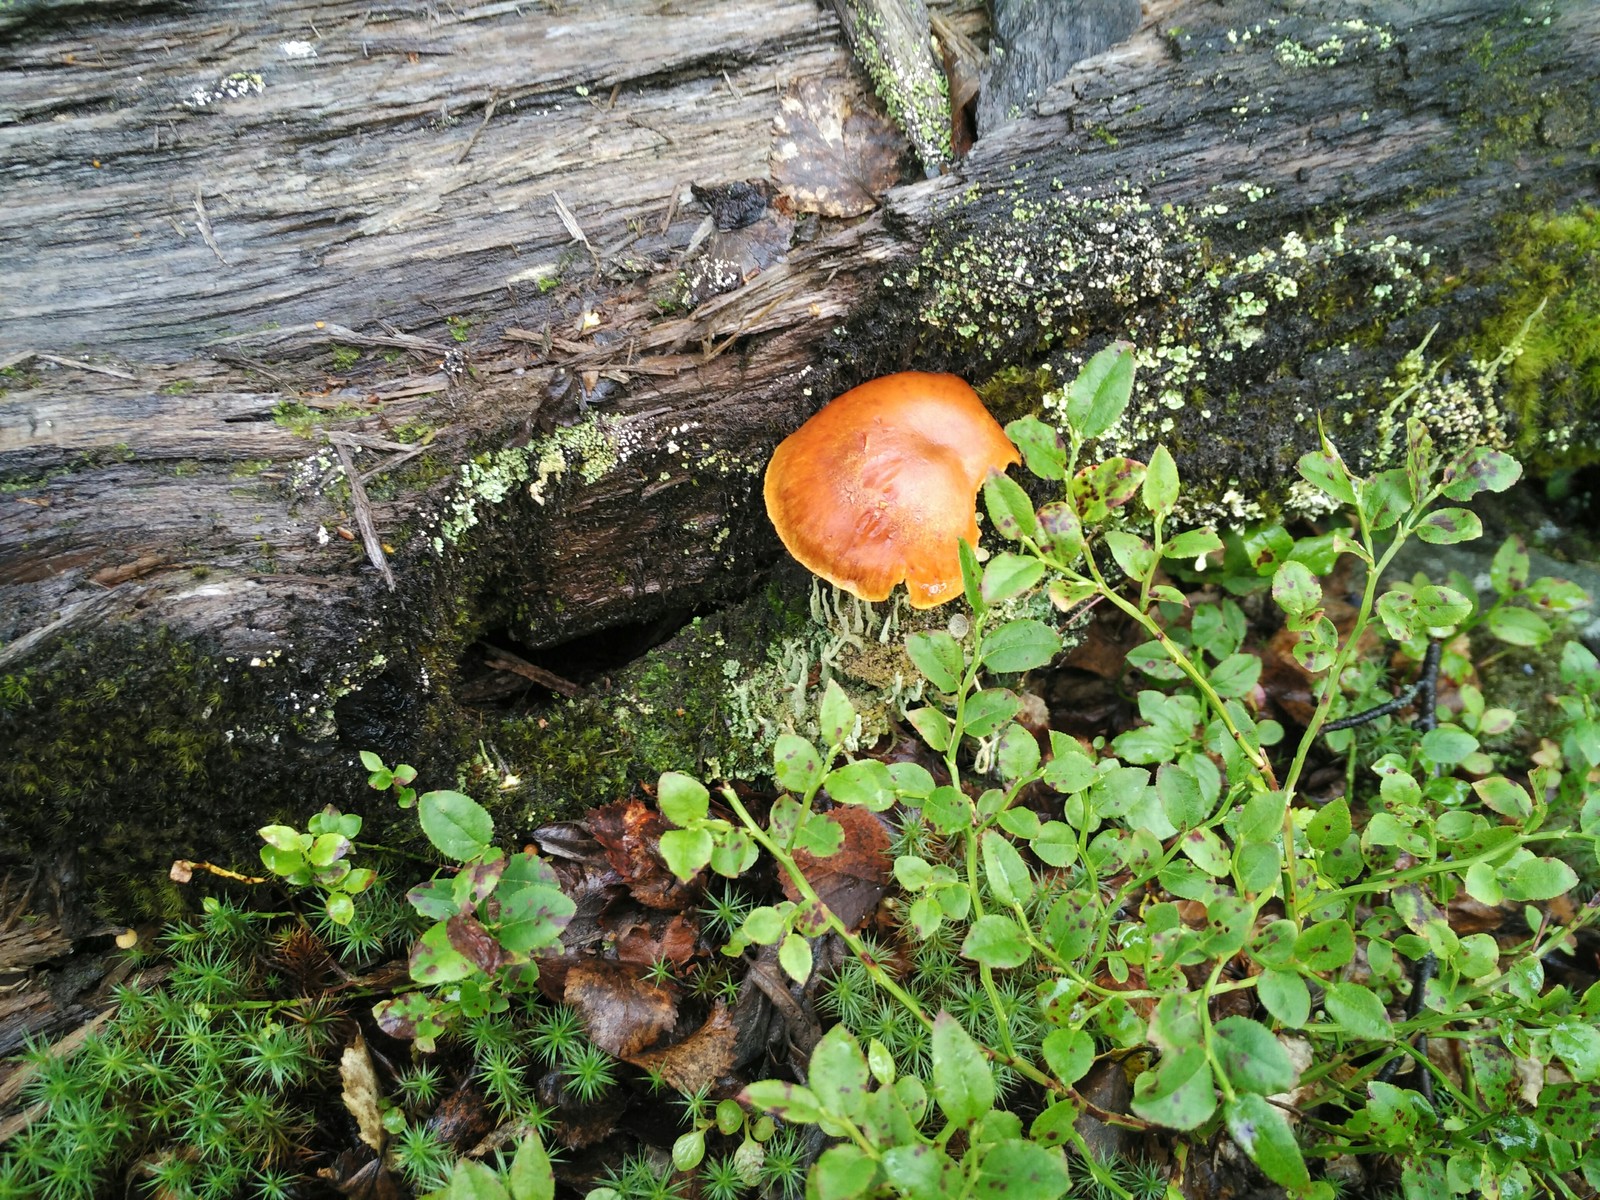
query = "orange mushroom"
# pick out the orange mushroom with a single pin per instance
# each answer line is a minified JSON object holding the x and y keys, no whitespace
{"x":882,"y":484}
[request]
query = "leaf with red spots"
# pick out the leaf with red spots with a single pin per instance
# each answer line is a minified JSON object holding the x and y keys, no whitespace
{"x":851,"y":881}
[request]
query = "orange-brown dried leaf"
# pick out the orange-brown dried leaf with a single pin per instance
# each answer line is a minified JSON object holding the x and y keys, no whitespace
{"x":622,"y":1013}
{"x":630,"y":834}
{"x":832,"y":152}
{"x":852,"y":881}
{"x":658,"y":937}
{"x":701,"y":1058}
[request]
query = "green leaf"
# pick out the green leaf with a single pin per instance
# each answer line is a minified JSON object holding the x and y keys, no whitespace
{"x":1540,"y":879}
{"x":932,"y":726}
{"x":1097,"y":397}
{"x":689,"y":1151}
{"x":838,"y":1073}
{"x":531,"y":1176}
{"x":1192,"y":543}
{"x":1003,"y":867}
{"x":836,"y":716}
{"x":340,"y":908}
{"x":686,"y":851}
{"x":1042,"y":451}
{"x":794,"y":956}
{"x":1385,"y":497}
{"x":1014,"y":1169}
{"x":1061,"y":534}
{"x":763,"y":925}
{"x":842,"y":1173}
{"x":1020,"y":645}
{"x":1236,"y":676}
{"x":1480,"y":470}
{"x":1206,"y":851}
{"x":1160,"y":489}
{"x":1263,"y":1133}
{"x":1325,"y":471}
{"x":1504,"y":797}
{"x":1508,"y":571}
{"x":1055,"y":843}
{"x":1359,"y":1010}
{"x":370,"y":761}
{"x":865,"y":782}
{"x":971,"y":578}
{"x":282,"y":837}
{"x":1518,"y":626}
{"x":1008,"y":575}
{"x":938,"y":656}
{"x":1330,"y":826}
{"x":1442,"y":608}
{"x":1295,"y":589}
{"x":474,"y":1181}
{"x":1577,"y":1043}
{"x":1069,"y":1053}
{"x":787,"y":1101}
{"x":1447,"y":526}
{"x":796,"y":765}
{"x":435,"y":961}
{"x":1132,"y":553}
{"x":963,"y":1088}
{"x":988,"y":710}
{"x":1285,"y":995}
{"x":1009,"y":508}
{"x":1326,"y":945}
{"x":1178,"y":1092}
{"x":921,"y":1172}
{"x":1099,"y":490}
{"x":533,"y":908}
{"x":1251,"y":1058}
{"x":1018,"y":757}
{"x":995,"y":940}
{"x":1448,"y":744}
{"x":457,"y":825}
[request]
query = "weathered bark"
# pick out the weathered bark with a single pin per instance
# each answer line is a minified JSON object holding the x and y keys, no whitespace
{"x":182,"y":616}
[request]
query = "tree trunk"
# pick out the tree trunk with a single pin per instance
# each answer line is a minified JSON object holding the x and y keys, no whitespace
{"x":340,"y":341}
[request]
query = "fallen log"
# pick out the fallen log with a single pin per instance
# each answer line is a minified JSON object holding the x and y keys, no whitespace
{"x":340,"y":341}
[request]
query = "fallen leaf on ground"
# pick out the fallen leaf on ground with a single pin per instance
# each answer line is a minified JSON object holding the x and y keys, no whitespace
{"x":360,"y":1092}
{"x":622,"y":1013}
{"x":831,"y":151}
{"x":630,"y":833}
{"x":702,"y":1058}
{"x":852,"y":881}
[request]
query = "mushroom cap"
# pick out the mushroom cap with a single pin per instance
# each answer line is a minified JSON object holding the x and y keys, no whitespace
{"x":881,"y":485}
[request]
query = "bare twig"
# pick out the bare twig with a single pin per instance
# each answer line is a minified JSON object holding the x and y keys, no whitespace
{"x":363,"y":507}
{"x":204,"y":224}
{"x":488,"y":111}
{"x":497,"y":659}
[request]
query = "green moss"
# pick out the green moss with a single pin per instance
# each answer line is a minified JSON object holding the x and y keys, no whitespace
{"x":178,"y":387}
{"x":1553,"y":385}
{"x":304,"y":421}
{"x":1507,"y":104}
{"x":345,"y":357}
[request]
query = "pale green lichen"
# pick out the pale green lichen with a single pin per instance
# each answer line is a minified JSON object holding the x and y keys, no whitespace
{"x":590,"y":449}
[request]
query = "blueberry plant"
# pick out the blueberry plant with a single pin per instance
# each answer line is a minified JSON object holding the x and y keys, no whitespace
{"x":1280,"y":964}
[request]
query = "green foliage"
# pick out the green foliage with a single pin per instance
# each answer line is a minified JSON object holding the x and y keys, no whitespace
{"x":206,"y":1086}
{"x":1038,"y":930}
{"x":490,"y":917}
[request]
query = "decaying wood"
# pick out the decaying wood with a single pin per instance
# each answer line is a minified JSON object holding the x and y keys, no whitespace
{"x":232,"y":229}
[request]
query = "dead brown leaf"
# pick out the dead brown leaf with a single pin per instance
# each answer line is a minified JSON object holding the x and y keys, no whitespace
{"x":831,"y":150}
{"x":630,"y":834}
{"x":656,"y":938}
{"x":622,"y":1013}
{"x":852,"y":881}
{"x":360,"y":1093}
{"x":701,"y":1058}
